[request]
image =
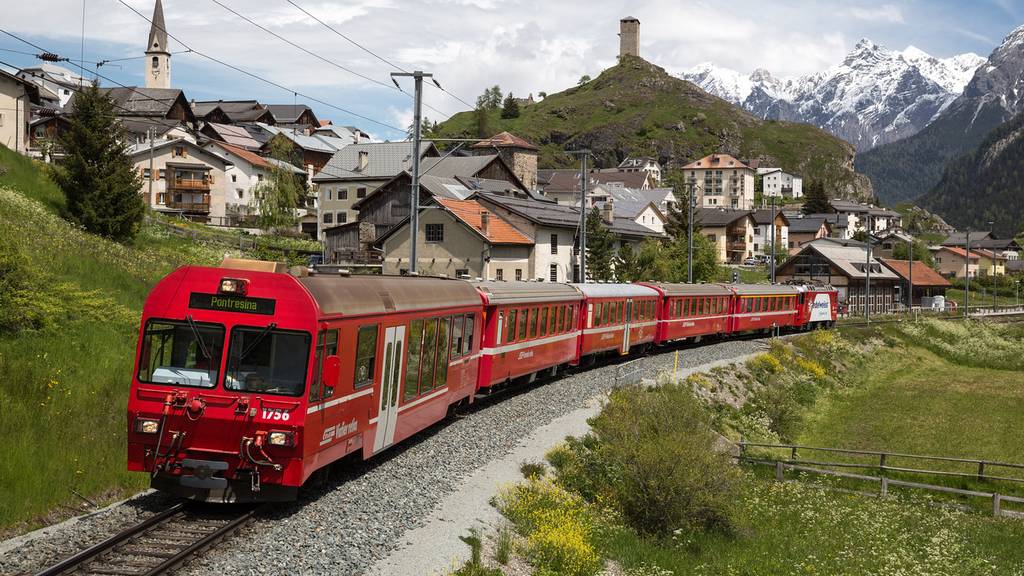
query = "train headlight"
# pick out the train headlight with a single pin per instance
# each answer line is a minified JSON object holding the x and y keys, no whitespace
{"x":281,"y":439}
{"x":146,"y":426}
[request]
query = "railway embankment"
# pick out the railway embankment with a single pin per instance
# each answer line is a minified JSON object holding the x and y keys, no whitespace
{"x":624,"y":498}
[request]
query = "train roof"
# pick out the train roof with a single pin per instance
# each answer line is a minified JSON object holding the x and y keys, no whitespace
{"x":682,"y":289}
{"x":615,"y":290}
{"x":363,"y":295}
{"x":496,"y":292}
{"x":764,"y":289}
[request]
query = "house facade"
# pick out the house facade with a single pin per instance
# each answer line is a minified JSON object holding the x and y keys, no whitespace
{"x":518,"y":154}
{"x":246,"y":171}
{"x":721,"y":181}
{"x":763,"y":232}
{"x":58,"y":82}
{"x":642,"y":164}
{"x":730,"y":231}
{"x":178,"y":176}
{"x":953,"y":262}
{"x":844,"y":264}
{"x":803,"y":229}
{"x":777,"y":182}
{"x":16,"y":99}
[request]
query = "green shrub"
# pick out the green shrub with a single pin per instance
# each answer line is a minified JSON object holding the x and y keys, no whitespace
{"x":532,"y":469}
{"x":777,"y":403}
{"x":651,"y":457}
{"x":20,"y":306}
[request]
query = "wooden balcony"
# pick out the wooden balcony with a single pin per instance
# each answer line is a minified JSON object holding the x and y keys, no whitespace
{"x":734,"y":246}
{"x":190,"y":184}
{"x":199,"y":203}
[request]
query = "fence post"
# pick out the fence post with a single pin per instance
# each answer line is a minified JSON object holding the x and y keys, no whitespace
{"x":981,"y":470}
{"x":881,"y":462}
{"x":885,"y":487}
{"x":792,"y":454}
{"x":997,"y":502}
{"x":779,"y":470}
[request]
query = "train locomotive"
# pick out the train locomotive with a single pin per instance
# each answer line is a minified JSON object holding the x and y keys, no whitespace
{"x":250,"y":378}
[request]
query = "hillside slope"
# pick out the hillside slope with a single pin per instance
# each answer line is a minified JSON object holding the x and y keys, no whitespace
{"x":985,"y":185}
{"x":908,"y":168}
{"x":635,"y":108}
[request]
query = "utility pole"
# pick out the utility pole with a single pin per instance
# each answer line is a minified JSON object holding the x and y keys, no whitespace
{"x":149,"y":134}
{"x":867,"y":277}
{"x":967,"y":273}
{"x":773,"y":240}
{"x":690,"y":201}
{"x":583,"y":154}
{"x":910,"y":273}
{"x":414,"y":200}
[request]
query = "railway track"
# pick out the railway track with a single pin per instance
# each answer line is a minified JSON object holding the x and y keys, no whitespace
{"x":158,"y":544}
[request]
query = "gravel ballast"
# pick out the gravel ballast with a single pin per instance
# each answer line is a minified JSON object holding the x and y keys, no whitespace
{"x":368,"y":510}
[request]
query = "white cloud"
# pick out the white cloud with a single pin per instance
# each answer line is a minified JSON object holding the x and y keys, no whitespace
{"x":884,"y":13}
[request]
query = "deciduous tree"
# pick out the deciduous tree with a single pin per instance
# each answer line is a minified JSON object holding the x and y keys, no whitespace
{"x":279,"y":197}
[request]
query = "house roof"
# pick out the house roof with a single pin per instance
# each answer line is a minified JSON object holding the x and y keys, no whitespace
{"x":958,"y":251}
{"x":717,"y":161}
{"x":452,"y":166}
{"x":923,"y":274}
{"x":718,"y":217}
{"x":306,"y":142}
{"x":561,"y":215}
{"x":384,"y":160}
{"x":159,"y":126}
{"x":144,"y":148}
{"x":807,"y":224}
{"x":471,"y":213}
{"x":137,"y":101}
{"x":505,"y":140}
{"x":960,"y":238}
{"x":290,"y":113}
{"x":231,"y":134}
{"x":250,"y":157}
{"x":765,"y":216}
{"x":848,"y":256}
{"x":627,"y":179}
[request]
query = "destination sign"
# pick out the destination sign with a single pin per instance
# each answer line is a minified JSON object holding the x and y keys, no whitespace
{"x":225,"y":303}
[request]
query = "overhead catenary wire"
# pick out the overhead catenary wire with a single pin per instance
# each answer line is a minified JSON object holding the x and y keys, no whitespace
{"x":372,"y":53}
{"x":387,"y":85}
{"x":257,"y":76}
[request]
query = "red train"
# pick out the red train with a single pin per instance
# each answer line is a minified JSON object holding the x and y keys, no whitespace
{"x":249,"y":379}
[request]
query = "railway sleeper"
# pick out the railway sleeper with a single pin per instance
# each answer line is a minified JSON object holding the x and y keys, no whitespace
{"x":142,"y":550}
{"x":117,"y":571}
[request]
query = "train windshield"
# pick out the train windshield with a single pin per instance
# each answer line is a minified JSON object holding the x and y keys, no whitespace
{"x":267,"y":360}
{"x":181,"y":353}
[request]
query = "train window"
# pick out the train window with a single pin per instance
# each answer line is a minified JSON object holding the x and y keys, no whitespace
{"x":552,"y":322}
{"x":366,"y":353}
{"x":511,"y":326}
{"x":268,"y":361}
{"x":441,"y":371}
{"x":412,"y":360}
{"x":597,"y":315}
{"x":181,"y":354}
{"x":456,"y":337}
{"x":748,"y":305}
{"x":556,"y":317}
{"x":467,"y":334}
{"x":522,"y":323}
{"x":326,"y":345}
{"x":429,"y":355}
{"x":543,"y":322}
{"x":620,"y":313}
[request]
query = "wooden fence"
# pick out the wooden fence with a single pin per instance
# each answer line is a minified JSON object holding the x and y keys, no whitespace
{"x":980,"y":470}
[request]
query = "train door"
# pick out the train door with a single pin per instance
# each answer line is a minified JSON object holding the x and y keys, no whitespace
{"x":627,"y":318}
{"x":390,"y":386}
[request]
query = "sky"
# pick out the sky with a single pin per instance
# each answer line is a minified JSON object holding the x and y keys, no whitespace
{"x":524,"y":46}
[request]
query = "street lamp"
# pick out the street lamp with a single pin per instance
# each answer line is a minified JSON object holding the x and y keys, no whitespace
{"x":992,"y":256}
{"x":691,"y":201}
{"x":772,"y":255}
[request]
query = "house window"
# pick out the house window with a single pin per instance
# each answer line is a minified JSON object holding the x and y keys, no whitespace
{"x":519,"y":274}
{"x":240,"y":193}
{"x":179,"y":151}
{"x":342,"y":194}
{"x":259,"y":177}
{"x":328,"y":218}
{"x":361,"y":193}
{"x":329,"y":194}
{"x":146,"y":173}
{"x":554,"y":245}
{"x":499,"y":274}
{"x":435,"y":232}
{"x":342,"y":217}
{"x":553,"y":273}
{"x":163,"y":174}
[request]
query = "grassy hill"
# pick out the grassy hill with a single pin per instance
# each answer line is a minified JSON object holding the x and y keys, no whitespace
{"x":636,"y":108}
{"x":69,"y":310}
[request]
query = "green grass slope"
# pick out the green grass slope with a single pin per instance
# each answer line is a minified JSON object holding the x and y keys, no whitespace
{"x":636,"y":108}
{"x":65,"y":367}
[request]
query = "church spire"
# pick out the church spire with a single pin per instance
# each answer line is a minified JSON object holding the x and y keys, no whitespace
{"x":158,"y":61}
{"x":158,"y":32}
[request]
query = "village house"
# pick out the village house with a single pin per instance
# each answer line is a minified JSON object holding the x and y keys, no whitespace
{"x":294,"y":116}
{"x":179,"y":176}
{"x":844,"y":264}
{"x":637,"y":205}
{"x":887,"y":242}
{"x":563,"y":185}
{"x":56,"y":83}
{"x":778,"y":182}
{"x":16,"y":99}
{"x":990,"y":263}
{"x":158,"y":113}
{"x":247,"y":171}
{"x":459,"y":239}
{"x":1005,"y":247}
{"x":953,"y":262}
{"x":721,"y":181}
{"x":314,"y":151}
{"x":232,"y":112}
{"x":730,"y":231}
{"x":927,"y":282}
{"x":234,"y":135}
{"x":642,"y":164}
{"x":519,"y":154}
{"x":803,"y":229}
{"x":866,"y":217}
{"x":763,"y":232}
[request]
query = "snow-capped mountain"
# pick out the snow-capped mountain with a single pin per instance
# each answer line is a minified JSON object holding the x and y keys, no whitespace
{"x":874,"y":96}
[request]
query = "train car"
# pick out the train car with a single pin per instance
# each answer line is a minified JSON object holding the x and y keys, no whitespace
{"x":764,"y":307}
{"x":818,"y":306}
{"x":691,"y":310}
{"x":529,"y":327}
{"x":617,"y":317}
{"x":249,"y":379}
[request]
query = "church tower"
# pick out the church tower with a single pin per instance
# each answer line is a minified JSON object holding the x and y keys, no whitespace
{"x":629,"y":37}
{"x":158,"y":55}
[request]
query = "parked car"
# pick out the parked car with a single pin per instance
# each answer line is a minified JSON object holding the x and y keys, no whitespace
{"x":751,"y":262}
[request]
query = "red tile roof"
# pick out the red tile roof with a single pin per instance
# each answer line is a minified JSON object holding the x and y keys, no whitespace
{"x":325,"y":123}
{"x":960,"y":251}
{"x":499,"y":231}
{"x":250,"y":157}
{"x":505,"y":139}
{"x":923,"y":274}
{"x":717,"y":161}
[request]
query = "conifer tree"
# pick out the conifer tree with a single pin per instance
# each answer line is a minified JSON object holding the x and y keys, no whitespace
{"x":600,"y":247}
{"x":98,"y":178}
{"x":816,"y":199}
{"x":509,"y":108}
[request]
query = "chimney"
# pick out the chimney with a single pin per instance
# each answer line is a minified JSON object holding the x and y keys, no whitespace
{"x":607,"y":213}
{"x":364,"y":160}
{"x":485,"y":222}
